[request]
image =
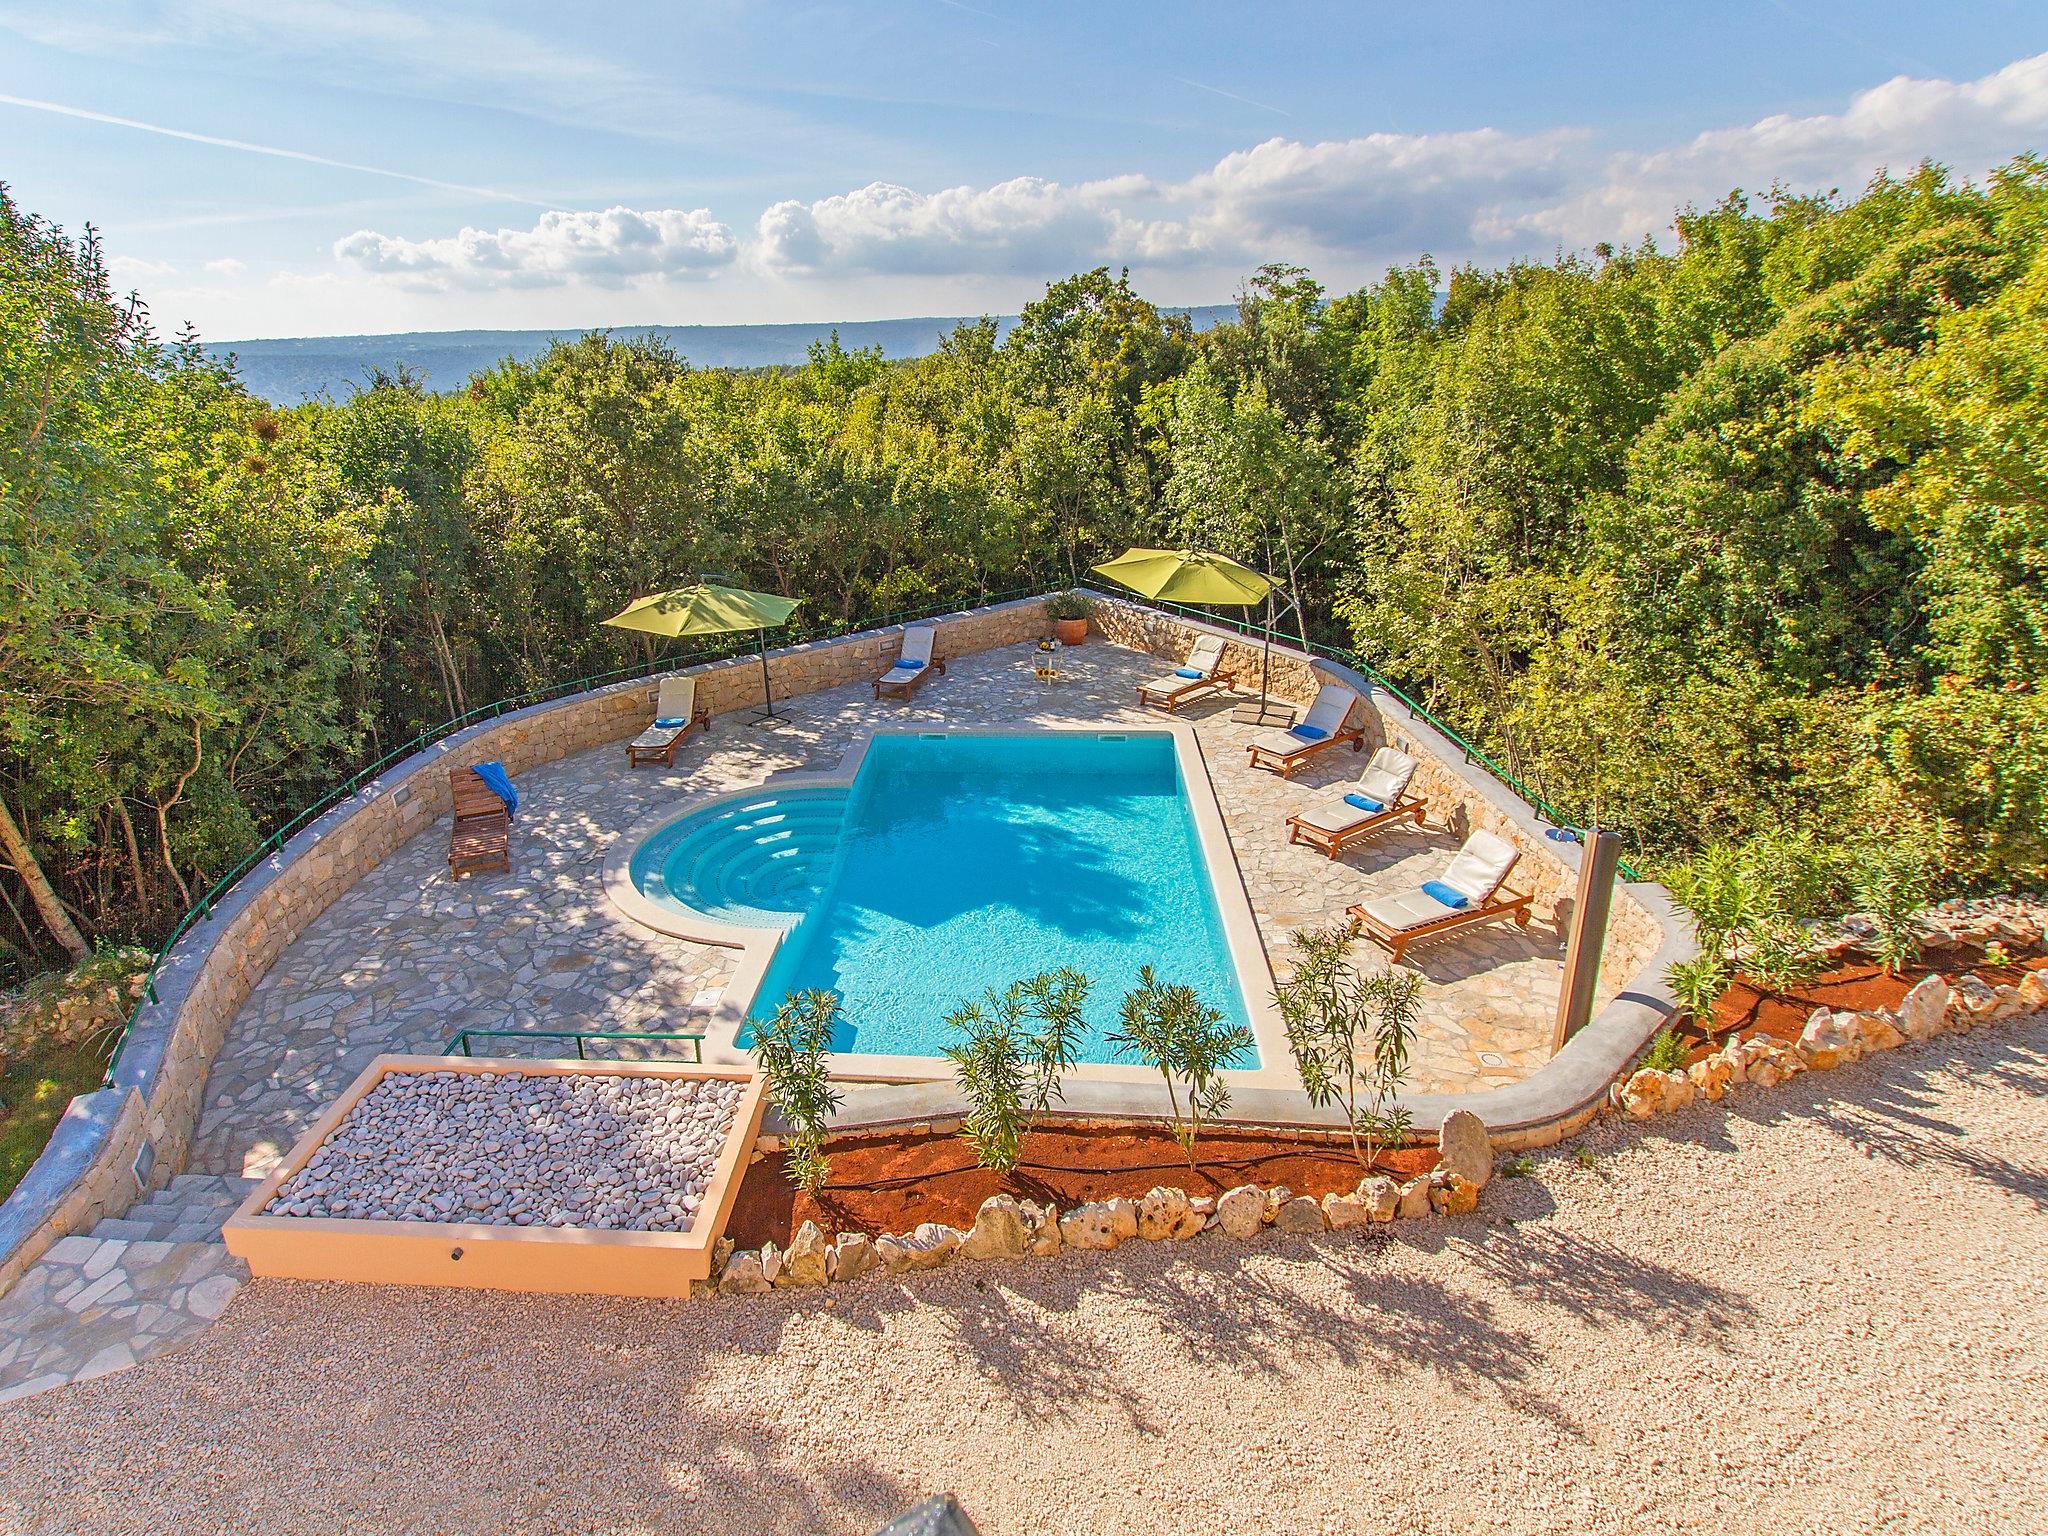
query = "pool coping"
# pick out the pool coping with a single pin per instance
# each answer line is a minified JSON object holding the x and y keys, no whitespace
{"x":757,"y":945}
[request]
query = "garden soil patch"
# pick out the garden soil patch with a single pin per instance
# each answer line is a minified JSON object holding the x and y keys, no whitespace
{"x":1856,"y":983}
{"x":891,"y":1183}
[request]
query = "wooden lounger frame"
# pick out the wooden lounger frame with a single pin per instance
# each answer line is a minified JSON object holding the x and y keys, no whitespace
{"x":907,"y":685}
{"x":1405,"y":807}
{"x":1501,"y":904}
{"x":666,"y":755}
{"x":1158,"y":696}
{"x":481,"y":835}
{"x":1287,"y":762}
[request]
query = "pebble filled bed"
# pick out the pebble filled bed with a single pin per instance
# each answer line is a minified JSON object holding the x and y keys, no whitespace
{"x":520,"y":1149}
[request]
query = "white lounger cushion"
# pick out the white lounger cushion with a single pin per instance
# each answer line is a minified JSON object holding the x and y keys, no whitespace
{"x":917,"y":646}
{"x":1333,"y":703}
{"x":1385,"y":780}
{"x":1476,"y":872}
{"x":657,"y":736}
{"x":1202,"y":657}
{"x":676,"y":699}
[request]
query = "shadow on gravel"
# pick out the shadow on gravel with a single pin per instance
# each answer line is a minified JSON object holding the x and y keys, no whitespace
{"x":1607,"y":1286}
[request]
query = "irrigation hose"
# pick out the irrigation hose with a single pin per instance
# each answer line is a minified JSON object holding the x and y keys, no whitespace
{"x":898,"y":1181}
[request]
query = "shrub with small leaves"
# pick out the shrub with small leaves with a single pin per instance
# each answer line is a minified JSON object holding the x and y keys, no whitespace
{"x":1891,"y":882}
{"x":1350,"y":1032}
{"x":791,"y":1048}
{"x":1667,"y":1053}
{"x":1016,"y":1045}
{"x":1187,"y":1043}
{"x":1698,"y":984}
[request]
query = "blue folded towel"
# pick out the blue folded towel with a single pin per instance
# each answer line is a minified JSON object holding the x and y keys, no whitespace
{"x":1307,"y":732}
{"x":1364,"y":803}
{"x":499,"y":783}
{"x":1444,"y":893}
{"x":912,"y":665}
{"x":1187,"y":672}
{"x":669,"y":725}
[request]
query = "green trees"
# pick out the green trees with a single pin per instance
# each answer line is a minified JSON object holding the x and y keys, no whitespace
{"x":1169,"y":1029}
{"x":1014,"y":1046}
{"x":1349,"y":1032}
{"x":1738,"y":539}
{"x":792,"y":1047}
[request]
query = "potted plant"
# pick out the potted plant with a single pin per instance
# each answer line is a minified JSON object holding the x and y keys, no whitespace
{"x":1069,"y":614}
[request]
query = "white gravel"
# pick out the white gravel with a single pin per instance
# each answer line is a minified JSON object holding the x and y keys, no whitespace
{"x":520,"y":1149}
{"x":1815,"y":1312}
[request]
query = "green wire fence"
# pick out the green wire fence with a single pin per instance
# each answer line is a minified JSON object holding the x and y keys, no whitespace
{"x":202,"y":909}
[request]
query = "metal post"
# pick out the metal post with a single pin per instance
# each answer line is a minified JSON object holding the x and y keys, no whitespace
{"x":1597,"y":865}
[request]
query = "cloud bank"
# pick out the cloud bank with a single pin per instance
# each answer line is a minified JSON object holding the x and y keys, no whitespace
{"x":1345,"y":203}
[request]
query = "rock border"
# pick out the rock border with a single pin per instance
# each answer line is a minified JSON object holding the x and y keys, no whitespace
{"x":1006,"y":1227}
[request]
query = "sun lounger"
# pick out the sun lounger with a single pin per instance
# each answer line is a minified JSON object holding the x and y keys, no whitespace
{"x":676,"y":714}
{"x":481,"y":834}
{"x":1191,"y":681}
{"x":1468,"y":892}
{"x":914,"y":665}
{"x":1380,"y":800}
{"x":1323,"y":728}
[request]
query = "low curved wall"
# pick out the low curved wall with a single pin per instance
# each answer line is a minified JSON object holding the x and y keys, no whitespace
{"x":132,"y":1136}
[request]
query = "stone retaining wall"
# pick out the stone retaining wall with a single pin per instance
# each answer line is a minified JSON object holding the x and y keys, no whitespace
{"x":147,"y":1116}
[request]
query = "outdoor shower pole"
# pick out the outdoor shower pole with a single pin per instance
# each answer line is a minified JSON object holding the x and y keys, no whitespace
{"x":767,"y":693}
{"x":1597,"y":867}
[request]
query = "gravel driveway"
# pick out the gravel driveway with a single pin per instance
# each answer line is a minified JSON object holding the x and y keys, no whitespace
{"x":1817,"y":1313}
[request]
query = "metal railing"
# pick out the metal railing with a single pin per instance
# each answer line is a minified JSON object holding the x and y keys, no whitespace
{"x":458,"y":1043}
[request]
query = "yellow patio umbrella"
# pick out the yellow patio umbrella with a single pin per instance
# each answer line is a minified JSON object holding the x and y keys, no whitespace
{"x":1202,"y":577}
{"x":707,"y":608}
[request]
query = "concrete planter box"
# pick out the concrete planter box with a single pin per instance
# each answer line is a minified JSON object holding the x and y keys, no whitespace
{"x":575,"y":1260}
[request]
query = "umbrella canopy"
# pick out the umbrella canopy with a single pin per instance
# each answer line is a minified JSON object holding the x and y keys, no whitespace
{"x":709,"y":609}
{"x":704,"y":609}
{"x":1187,"y":576}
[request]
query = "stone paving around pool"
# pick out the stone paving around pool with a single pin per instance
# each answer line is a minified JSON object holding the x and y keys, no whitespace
{"x":410,"y":954}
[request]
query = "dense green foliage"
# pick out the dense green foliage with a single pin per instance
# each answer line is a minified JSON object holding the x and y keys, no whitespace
{"x":1747,"y":537}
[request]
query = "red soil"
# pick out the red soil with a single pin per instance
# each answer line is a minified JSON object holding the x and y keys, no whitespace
{"x":892,"y":1183}
{"x":1856,"y":983}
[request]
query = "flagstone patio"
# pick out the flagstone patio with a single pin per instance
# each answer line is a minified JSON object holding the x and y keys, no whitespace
{"x":409,"y":955}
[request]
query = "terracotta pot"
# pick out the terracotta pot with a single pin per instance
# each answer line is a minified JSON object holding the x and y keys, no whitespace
{"x":1070,"y":631}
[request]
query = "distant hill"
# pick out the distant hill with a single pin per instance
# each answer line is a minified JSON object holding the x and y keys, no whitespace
{"x":286,"y":370}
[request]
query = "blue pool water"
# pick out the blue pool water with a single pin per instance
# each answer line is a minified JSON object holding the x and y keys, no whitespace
{"x":958,"y":863}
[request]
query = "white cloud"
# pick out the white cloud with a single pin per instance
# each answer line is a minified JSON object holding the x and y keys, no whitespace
{"x":1969,"y":126}
{"x":605,"y":249}
{"x":129,"y":270}
{"x":227,"y":266}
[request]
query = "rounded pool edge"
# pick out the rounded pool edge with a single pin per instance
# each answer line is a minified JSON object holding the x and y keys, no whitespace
{"x":677,"y":921}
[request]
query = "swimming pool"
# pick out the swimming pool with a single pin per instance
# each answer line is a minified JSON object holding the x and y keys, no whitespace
{"x":953,"y":863}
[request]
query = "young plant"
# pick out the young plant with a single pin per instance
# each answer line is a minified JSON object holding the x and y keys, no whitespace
{"x":1667,"y":1053}
{"x":1350,"y":1033}
{"x":1068,"y":605}
{"x":1187,"y":1043}
{"x":1891,"y":883}
{"x":1699,"y":983}
{"x":791,"y":1050}
{"x":1008,"y":1070}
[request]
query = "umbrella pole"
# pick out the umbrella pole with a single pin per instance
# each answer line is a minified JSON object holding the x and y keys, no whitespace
{"x":767,"y":693}
{"x":1266,"y":656}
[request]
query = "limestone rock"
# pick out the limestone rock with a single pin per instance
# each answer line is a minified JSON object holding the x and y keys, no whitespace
{"x":1382,"y":1197}
{"x":1462,"y":1147}
{"x":1642,"y":1095}
{"x":1923,"y":1011}
{"x":2005,"y":1004}
{"x":1240,"y":1212}
{"x":1001,"y":1230}
{"x":1677,"y":1092}
{"x":1415,"y":1198}
{"x":1344,"y":1211}
{"x":2032,"y":991}
{"x":1711,"y":1075}
{"x":1830,"y":1040}
{"x":771,"y":1264}
{"x":929,"y":1247}
{"x":853,"y":1256}
{"x":1166,"y":1213}
{"x":742,"y":1275}
{"x":1301,"y":1215}
{"x":1042,"y":1236}
{"x":804,"y":1261}
{"x":1092,"y":1226}
{"x":1452,"y":1194}
{"x":1877,"y":1029}
{"x":1276,"y":1197}
{"x":1971,"y":1001}
{"x":1123,"y":1218}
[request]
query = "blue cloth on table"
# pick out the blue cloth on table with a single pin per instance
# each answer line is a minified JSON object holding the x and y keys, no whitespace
{"x":1444,"y":893}
{"x":499,"y":783}
{"x":670,"y":725}
{"x":1364,"y":803}
{"x":1187,"y":672}
{"x":1307,"y":732}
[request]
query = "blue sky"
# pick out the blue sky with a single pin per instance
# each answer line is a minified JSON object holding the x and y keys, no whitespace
{"x":374,"y":166}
